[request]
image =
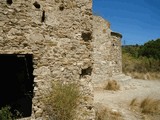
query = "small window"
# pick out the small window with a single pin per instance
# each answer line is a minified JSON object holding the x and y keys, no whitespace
{"x":61,"y":7}
{"x":87,"y":71}
{"x":43,"y":16}
{"x":37,"y":5}
{"x":9,"y":2}
{"x":86,"y":36}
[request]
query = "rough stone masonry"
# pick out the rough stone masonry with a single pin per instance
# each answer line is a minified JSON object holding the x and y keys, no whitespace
{"x":58,"y":34}
{"x":106,"y":51}
{"x":66,"y":42}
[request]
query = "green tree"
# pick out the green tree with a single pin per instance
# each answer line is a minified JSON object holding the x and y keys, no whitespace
{"x":151,"y":49}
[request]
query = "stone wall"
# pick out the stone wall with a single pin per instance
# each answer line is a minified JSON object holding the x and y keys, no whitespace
{"x":116,"y":53}
{"x":58,"y":34}
{"x":106,"y":51}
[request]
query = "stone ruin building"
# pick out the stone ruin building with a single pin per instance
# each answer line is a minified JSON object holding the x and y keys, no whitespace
{"x":42,"y":41}
{"x":51,"y":39}
{"x":106,"y":51}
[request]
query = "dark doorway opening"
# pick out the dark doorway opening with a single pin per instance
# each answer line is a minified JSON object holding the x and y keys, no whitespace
{"x":16,"y":83}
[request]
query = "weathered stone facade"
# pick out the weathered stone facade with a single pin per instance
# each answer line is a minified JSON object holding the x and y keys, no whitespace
{"x":66,"y":42}
{"x":116,"y":53}
{"x":106,"y":51}
{"x":58,"y":34}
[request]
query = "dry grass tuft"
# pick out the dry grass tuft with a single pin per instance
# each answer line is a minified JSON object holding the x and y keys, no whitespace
{"x":112,"y":85}
{"x":133,"y":102}
{"x":150,"y":105}
{"x":134,"y":105}
{"x":146,"y":106}
{"x":103,"y":113}
{"x":62,"y":101}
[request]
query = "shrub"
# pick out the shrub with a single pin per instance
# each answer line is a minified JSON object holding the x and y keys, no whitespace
{"x":62,"y":101}
{"x":141,"y":60}
{"x":141,"y":68}
{"x":112,"y":85}
{"x":5,"y":113}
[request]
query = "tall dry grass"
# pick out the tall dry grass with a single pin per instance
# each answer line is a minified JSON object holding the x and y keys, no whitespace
{"x":62,"y":101}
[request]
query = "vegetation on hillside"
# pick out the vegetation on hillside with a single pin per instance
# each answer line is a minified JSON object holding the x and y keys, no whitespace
{"x":142,"y":61}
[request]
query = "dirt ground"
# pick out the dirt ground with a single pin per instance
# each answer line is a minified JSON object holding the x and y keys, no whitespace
{"x":120,"y":100}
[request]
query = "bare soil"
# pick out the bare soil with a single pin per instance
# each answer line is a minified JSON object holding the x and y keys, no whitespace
{"x":120,"y":100}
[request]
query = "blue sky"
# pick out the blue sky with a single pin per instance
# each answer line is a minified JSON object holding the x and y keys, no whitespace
{"x":137,"y":20}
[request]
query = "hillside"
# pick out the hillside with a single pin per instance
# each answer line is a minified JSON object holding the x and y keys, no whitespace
{"x":142,"y":61}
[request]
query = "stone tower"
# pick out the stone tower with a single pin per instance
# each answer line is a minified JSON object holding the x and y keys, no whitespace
{"x":116,"y":53}
{"x":106,"y":51}
{"x":56,"y":35}
{"x":101,"y":50}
